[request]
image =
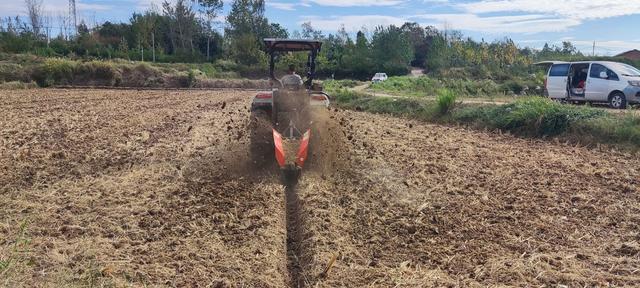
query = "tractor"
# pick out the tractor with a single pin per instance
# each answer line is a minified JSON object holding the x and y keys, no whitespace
{"x":281,"y":120}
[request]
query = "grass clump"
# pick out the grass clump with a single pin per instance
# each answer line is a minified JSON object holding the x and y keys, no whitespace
{"x":335,"y":85}
{"x":445,"y":101}
{"x":17,"y":85}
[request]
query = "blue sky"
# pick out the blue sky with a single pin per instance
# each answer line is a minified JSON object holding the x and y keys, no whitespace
{"x":613,"y":24}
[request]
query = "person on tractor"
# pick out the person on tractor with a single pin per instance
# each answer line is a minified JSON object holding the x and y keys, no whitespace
{"x":291,"y":80}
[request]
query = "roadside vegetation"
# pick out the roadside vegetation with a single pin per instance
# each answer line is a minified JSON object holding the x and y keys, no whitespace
{"x":25,"y":71}
{"x":180,"y":36}
{"x":526,"y":116}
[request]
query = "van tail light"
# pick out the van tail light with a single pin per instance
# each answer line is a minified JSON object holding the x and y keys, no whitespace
{"x":264,"y":96}
{"x":318,"y":97}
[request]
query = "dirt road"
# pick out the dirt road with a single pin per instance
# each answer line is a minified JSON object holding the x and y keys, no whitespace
{"x":156,"y":188}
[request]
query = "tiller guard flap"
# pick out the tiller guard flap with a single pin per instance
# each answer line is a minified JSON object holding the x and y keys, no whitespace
{"x":303,"y":149}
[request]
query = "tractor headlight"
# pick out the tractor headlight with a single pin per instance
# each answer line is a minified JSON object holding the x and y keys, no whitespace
{"x":634,"y":83}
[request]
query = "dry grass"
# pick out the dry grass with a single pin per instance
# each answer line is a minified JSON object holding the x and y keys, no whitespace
{"x":118,"y":188}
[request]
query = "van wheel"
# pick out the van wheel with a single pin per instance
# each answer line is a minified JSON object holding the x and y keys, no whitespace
{"x":617,"y":100}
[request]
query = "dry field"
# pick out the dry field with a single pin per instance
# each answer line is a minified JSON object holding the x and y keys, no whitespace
{"x":155,"y":188}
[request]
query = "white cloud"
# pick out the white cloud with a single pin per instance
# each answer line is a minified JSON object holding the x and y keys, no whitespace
{"x":51,"y":7}
{"x":353,"y":22}
{"x":528,"y":24}
{"x":575,"y":9}
{"x":282,"y":5}
{"x":143,"y":5}
{"x":617,"y":45}
{"x":286,"y":6}
{"x":352,"y":3}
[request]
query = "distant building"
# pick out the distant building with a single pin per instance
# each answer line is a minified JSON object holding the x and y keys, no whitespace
{"x":631,"y":54}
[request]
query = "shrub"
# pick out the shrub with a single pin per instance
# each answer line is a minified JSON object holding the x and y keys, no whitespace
{"x":54,"y":71}
{"x":512,"y":86}
{"x":97,"y":73}
{"x":445,"y":101}
{"x":226,"y":65}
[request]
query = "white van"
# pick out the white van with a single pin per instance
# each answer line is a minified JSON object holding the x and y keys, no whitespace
{"x":593,"y":81}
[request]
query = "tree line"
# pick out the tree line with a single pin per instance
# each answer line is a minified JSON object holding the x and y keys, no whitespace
{"x":185,"y":31}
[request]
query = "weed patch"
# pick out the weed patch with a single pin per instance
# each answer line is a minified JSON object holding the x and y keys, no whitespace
{"x":445,"y":101}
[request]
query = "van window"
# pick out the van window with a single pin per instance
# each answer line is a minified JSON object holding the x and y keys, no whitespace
{"x":597,"y":68}
{"x":559,"y":70}
{"x":625,"y":70}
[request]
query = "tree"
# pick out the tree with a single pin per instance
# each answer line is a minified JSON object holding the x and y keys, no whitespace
{"x":417,"y":38}
{"x":246,"y":25}
{"x":568,"y":48}
{"x":34,"y":10}
{"x":277,"y":31}
{"x":210,"y":8}
{"x":123,"y":48}
{"x":308,"y":32}
{"x":357,"y":57}
{"x":246,"y":17}
{"x":182,"y":25}
{"x":391,"y":49}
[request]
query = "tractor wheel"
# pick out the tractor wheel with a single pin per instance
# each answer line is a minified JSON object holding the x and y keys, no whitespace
{"x":261,"y":147}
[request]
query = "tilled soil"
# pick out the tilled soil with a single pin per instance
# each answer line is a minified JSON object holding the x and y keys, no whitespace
{"x":156,"y":188}
{"x":135,"y":187}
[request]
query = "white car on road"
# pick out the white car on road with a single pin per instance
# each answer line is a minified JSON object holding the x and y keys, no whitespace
{"x":379,"y":77}
{"x":593,"y":81}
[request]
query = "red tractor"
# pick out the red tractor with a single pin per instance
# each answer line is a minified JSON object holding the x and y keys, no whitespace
{"x":281,"y":119}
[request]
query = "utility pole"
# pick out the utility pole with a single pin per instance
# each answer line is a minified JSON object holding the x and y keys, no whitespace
{"x":72,"y":12}
{"x":594,"y":49}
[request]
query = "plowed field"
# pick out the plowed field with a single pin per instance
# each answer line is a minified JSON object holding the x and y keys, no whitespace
{"x":156,"y":188}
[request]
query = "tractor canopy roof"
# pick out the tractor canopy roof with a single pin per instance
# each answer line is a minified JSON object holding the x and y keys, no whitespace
{"x":274,"y":44}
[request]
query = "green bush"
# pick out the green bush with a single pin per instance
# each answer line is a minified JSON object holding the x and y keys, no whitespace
{"x":445,"y":101}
